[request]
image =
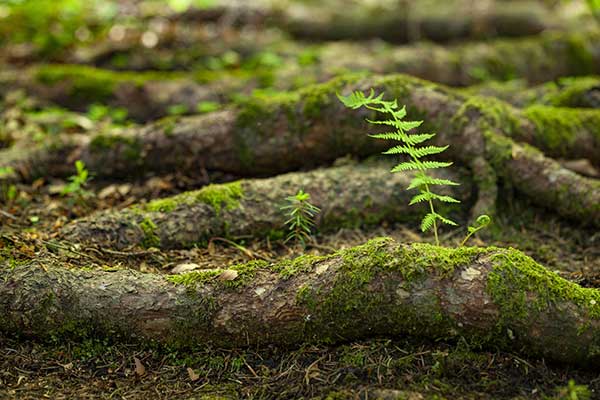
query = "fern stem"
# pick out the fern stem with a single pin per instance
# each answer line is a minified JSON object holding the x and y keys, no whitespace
{"x":435,"y":232}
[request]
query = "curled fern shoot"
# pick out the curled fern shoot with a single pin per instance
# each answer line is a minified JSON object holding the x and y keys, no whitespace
{"x":413,"y":151}
{"x":301,"y":214}
{"x":481,"y":222}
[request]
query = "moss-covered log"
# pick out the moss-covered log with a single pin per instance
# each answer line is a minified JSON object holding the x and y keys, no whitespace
{"x":410,"y":21}
{"x":145,"y":95}
{"x":491,"y":297}
{"x":582,"y":92}
{"x":276,"y":134}
{"x":349,"y":196}
{"x":152,"y":94}
{"x":402,"y":22}
{"x":537,"y":59}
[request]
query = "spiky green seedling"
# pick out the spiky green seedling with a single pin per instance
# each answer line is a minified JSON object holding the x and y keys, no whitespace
{"x":301,"y":215}
{"x":411,"y":147}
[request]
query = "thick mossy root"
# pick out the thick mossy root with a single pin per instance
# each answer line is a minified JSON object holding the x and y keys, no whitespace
{"x":414,"y":21}
{"x":349,"y":196}
{"x":490,"y":297}
{"x":536,"y":60}
{"x":581,"y":92}
{"x":150,"y":95}
{"x":145,"y":95}
{"x":275,"y":134}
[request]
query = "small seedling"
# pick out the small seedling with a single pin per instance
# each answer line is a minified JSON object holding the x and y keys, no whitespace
{"x":77,"y":182}
{"x":481,"y":222}
{"x":301,"y":215}
{"x":409,"y":146}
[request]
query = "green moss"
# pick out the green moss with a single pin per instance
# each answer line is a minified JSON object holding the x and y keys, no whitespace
{"x":515,"y":277}
{"x":130,"y":146}
{"x":557,"y":127}
{"x":494,"y":114}
{"x":245,"y":274}
{"x":351,"y":296}
{"x":303,"y":263}
{"x":260,"y":114}
{"x":94,"y":84}
{"x":581,"y":58}
{"x":151,"y":239}
{"x":226,"y":195}
{"x":195,"y":277}
{"x":569,"y":92}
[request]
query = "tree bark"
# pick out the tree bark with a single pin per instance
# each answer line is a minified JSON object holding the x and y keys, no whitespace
{"x":410,"y":21}
{"x":268,"y":136}
{"x":149,"y":96}
{"x":145,"y":95}
{"x":491,"y":297}
{"x":402,"y":23}
{"x":583,"y":92}
{"x":348,"y":196}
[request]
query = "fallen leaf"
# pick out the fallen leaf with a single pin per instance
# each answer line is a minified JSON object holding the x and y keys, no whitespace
{"x":183,"y":268}
{"x":67,"y":366}
{"x":140,"y":370}
{"x":228,"y":275}
{"x":193,"y":375}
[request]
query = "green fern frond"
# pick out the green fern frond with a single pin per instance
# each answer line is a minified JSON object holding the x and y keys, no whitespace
{"x":408,"y":147}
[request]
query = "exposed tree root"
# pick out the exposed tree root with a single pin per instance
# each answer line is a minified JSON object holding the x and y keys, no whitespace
{"x":145,"y":96}
{"x":402,"y":23}
{"x":149,"y":96}
{"x":472,"y":63}
{"x":488,"y":296}
{"x":268,"y":136}
{"x":581,"y":92}
{"x":349,"y":196}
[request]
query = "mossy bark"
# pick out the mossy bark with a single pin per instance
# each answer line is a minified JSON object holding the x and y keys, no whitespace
{"x":349,"y":196}
{"x":151,"y":95}
{"x":271,"y":135}
{"x":497,"y":298}
{"x":582,"y":92}
{"x":401,"y":23}
{"x":145,"y":95}
{"x":538,"y":59}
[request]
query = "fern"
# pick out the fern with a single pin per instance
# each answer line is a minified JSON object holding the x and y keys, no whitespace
{"x":412,"y":148}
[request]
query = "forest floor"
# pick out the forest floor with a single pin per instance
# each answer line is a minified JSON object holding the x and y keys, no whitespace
{"x":125,"y":101}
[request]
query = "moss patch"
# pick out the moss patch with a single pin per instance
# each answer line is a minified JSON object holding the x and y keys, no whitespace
{"x":245,"y":274}
{"x":151,"y":239}
{"x":130,"y":146}
{"x":226,"y":195}
{"x":557,"y":127}
{"x":516,"y":275}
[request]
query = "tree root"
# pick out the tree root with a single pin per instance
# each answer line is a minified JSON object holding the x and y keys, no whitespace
{"x":149,"y":96}
{"x":349,"y":196}
{"x":400,"y":24}
{"x":491,"y":297}
{"x":583,"y":92}
{"x":145,"y":95}
{"x":267,"y":136}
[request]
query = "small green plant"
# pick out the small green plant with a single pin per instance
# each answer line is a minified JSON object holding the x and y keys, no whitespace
{"x":301,"y":215}
{"x":77,"y":182}
{"x":410,"y":146}
{"x":481,"y":222}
